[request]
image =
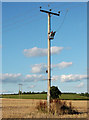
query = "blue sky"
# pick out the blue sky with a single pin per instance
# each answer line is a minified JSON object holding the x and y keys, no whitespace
{"x":24,"y":46}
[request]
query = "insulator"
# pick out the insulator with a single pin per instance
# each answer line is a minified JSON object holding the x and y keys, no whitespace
{"x":58,"y":11}
{"x":50,"y":9}
{"x":46,"y":71}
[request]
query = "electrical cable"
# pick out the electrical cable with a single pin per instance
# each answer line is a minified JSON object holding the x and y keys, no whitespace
{"x":19,"y":15}
{"x":21,"y":25}
{"x":65,"y":17}
{"x":19,"y":21}
{"x":67,"y":5}
{"x":62,"y":21}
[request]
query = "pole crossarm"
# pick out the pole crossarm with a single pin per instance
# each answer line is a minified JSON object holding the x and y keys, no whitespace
{"x":50,"y":12}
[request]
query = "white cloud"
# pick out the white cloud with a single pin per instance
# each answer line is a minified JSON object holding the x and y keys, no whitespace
{"x":31,"y":86}
{"x":80,"y":85}
{"x":17,"y":78}
{"x":70,"y":78}
{"x":12,"y":78}
{"x":62,"y":65}
{"x":56,"y":50}
{"x":41,"y":68}
{"x":39,"y":52}
{"x":33,"y":78}
{"x":5,"y":91}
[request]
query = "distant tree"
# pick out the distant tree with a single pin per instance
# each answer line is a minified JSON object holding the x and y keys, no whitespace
{"x":24,"y":92}
{"x":87,"y":94}
{"x":82,"y":94}
{"x":29,"y":92}
{"x":20,"y":92}
{"x":43,"y":92}
{"x":55,"y":92}
{"x":33,"y":92}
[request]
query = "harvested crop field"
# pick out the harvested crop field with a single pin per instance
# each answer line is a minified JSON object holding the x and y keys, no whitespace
{"x":26,"y":108}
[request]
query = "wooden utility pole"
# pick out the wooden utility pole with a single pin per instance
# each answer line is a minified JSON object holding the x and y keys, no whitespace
{"x":49,"y":53}
{"x":20,"y":90}
{"x":49,"y":61}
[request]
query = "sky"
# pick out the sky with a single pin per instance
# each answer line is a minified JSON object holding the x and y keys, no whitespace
{"x":24,"y":46}
{"x":45,"y":0}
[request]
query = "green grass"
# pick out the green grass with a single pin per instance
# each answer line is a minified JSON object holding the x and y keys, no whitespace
{"x":73,"y":97}
{"x":44,"y":96}
{"x":26,"y":96}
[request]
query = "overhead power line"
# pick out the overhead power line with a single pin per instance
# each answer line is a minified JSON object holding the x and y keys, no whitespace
{"x":19,"y":20}
{"x":18,"y":15}
{"x":62,"y":21}
{"x":19,"y":26}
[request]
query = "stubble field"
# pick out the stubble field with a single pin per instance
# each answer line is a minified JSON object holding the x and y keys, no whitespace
{"x":26,"y":108}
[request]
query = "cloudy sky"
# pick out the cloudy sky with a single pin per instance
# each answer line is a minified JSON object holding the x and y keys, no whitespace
{"x":24,"y":46}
